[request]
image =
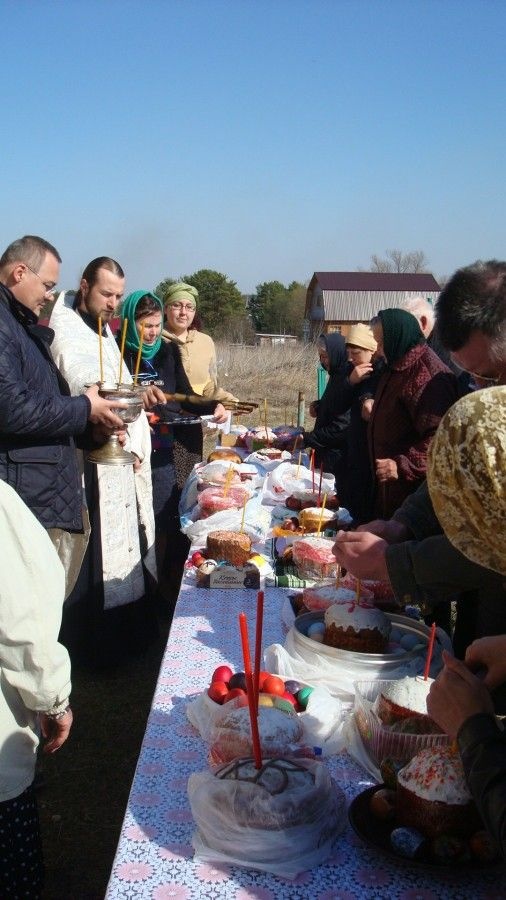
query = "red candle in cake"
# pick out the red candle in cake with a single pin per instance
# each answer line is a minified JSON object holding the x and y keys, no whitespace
{"x":429,"y":651}
{"x":258,"y":643}
{"x":250,"y":690}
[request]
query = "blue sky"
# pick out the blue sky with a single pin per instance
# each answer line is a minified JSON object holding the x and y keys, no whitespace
{"x":263,"y":138}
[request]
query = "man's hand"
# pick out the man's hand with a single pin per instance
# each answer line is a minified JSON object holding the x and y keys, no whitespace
{"x":362,"y":554}
{"x":220,"y":414}
{"x":152,"y":396}
{"x":102,"y":409}
{"x":390,"y":530}
{"x":386,"y":470}
{"x":55,"y":731}
{"x":358,"y":373}
{"x":488,"y":653}
{"x":456,"y":695}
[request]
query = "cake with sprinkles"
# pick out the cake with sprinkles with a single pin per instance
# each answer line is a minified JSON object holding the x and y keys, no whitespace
{"x":433,"y":796}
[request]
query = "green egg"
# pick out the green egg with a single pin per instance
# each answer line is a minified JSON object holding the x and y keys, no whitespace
{"x":303,"y":696}
{"x":285,"y":705}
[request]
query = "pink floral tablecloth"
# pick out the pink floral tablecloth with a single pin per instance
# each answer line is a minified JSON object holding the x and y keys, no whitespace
{"x":154,"y":858}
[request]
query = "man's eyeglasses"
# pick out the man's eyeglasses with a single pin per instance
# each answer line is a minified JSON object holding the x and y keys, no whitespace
{"x":180,"y":307}
{"x":49,"y":285}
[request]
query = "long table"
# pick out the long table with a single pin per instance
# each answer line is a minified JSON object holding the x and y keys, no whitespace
{"x":154,"y":858}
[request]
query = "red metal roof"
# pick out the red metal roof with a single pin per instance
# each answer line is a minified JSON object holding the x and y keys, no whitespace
{"x":376,"y":281}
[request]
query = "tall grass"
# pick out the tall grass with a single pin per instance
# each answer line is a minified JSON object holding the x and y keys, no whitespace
{"x":273,"y":373}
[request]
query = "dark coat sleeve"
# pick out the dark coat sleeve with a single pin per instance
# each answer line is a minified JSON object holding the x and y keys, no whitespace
{"x":417,"y":514}
{"x":482,"y":746}
{"x":426,"y":410}
{"x":332,"y":418}
{"x":26,"y":411}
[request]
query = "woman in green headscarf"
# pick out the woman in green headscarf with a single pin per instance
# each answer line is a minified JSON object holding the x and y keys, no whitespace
{"x":413,"y":394}
{"x":160,"y":363}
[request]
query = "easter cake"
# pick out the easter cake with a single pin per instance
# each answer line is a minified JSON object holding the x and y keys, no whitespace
{"x":229,"y":546}
{"x":359,"y":627}
{"x":432,"y":794}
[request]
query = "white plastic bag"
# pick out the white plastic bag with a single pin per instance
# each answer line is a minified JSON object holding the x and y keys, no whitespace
{"x":300,"y":826}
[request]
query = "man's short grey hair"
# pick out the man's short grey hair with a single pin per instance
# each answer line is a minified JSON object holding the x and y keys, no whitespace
{"x":30,"y":250}
{"x":420,"y":306}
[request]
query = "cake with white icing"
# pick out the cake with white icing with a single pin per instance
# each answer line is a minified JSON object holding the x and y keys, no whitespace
{"x":356,"y":626}
{"x":402,"y":705}
{"x":433,"y":796}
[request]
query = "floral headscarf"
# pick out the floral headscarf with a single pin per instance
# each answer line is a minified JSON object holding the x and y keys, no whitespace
{"x":467,"y":476}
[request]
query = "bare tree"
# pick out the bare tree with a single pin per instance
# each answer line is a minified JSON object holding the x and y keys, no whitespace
{"x":397,"y":261}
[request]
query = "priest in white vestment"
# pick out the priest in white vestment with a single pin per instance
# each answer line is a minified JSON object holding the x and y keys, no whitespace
{"x":124,"y":496}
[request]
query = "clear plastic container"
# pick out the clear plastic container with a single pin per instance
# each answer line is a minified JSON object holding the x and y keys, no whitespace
{"x":380,"y":740}
{"x":314,"y":558}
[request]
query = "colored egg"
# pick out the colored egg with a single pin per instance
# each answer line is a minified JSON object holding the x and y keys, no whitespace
{"x":264,"y":700}
{"x":317,"y":637}
{"x":290,"y":697}
{"x":292,"y":686}
{"x":409,"y":641}
{"x":217,"y":691}
{"x":395,"y":635}
{"x":407,"y":841}
{"x":235,"y":692}
{"x":223,"y":673}
{"x":382,"y":804}
{"x":274,"y":685}
{"x":238,"y":681}
{"x":285,"y":705}
{"x":303,"y":696}
{"x":315,"y":628}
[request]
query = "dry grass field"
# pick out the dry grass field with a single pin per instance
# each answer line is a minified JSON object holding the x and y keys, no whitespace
{"x":273,"y":373}
{"x":86,"y":784}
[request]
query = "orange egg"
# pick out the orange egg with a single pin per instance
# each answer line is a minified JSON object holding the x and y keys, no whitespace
{"x":274,"y":685}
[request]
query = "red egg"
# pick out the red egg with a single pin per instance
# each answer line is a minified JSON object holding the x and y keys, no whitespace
{"x":217,"y":691}
{"x":235,"y":692}
{"x":274,"y":685}
{"x":222,"y":673}
{"x":288,"y":696}
{"x":261,"y":679}
{"x":197,"y":558}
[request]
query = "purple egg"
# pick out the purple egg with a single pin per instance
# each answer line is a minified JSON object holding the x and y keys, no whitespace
{"x":293,"y":686}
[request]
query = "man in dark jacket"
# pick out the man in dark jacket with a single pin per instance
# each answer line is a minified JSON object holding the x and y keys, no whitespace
{"x":38,"y":418}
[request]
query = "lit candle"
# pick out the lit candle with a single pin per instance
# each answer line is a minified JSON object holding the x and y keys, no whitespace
{"x":320,"y":520}
{"x":122,"y":351}
{"x":100,"y":356}
{"x":139,"y":354}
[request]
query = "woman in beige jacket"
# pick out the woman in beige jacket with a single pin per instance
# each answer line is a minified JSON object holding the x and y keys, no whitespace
{"x":198,"y":355}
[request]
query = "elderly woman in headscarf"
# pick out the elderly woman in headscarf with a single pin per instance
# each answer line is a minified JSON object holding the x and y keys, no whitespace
{"x":413,"y":394}
{"x":467,"y":483}
{"x":328,"y":437}
{"x":161,"y":362}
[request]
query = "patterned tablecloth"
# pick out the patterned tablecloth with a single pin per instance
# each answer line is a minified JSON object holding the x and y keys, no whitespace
{"x":154,"y":858}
